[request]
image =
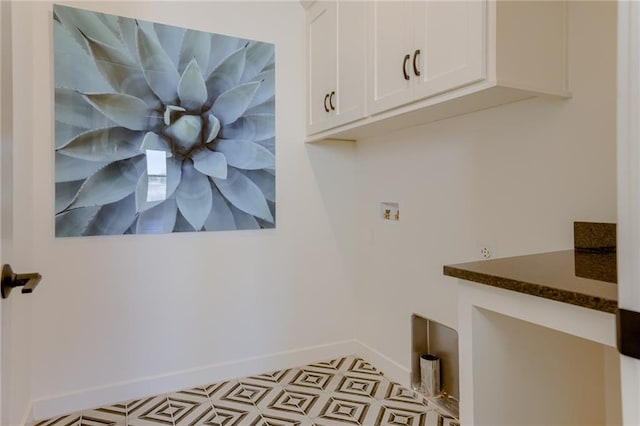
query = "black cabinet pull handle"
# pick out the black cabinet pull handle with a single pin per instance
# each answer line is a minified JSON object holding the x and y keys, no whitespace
{"x":331,"y":101}
{"x":326,"y":108}
{"x":416,"y":71}
{"x":10,"y":280}
{"x":404,"y":66}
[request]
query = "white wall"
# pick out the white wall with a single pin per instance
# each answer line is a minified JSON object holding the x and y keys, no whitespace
{"x":114,"y":310}
{"x":514,"y":177}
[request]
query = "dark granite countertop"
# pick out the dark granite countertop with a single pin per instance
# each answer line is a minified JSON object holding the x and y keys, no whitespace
{"x":556,"y":275}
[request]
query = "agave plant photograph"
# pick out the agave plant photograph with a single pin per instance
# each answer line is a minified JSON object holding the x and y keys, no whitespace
{"x":160,"y":129}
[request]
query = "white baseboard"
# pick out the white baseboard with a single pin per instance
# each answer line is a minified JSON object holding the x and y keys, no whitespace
{"x":53,"y":406}
{"x":389,"y":367}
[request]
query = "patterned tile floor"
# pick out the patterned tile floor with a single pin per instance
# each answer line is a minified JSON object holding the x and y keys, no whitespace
{"x":343,"y":391}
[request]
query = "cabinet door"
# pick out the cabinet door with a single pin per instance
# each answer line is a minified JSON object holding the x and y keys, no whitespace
{"x":390,"y":40}
{"x":349,"y":99}
{"x":451,"y":38}
{"x":321,"y":63}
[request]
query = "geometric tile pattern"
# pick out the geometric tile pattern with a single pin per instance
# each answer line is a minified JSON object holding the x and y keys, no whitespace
{"x":318,"y":380}
{"x":338,"y":392}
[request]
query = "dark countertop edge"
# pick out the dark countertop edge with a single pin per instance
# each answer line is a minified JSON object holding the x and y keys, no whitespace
{"x":572,"y":298}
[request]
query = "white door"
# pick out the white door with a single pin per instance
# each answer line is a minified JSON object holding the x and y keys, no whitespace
{"x":629,"y":191}
{"x":451,"y":43}
{"x":15,"y":311}
{"x":321,"y":64}
{"x":391,"y":48}
{"x":5,"y":104}
{"x":3,"y":413}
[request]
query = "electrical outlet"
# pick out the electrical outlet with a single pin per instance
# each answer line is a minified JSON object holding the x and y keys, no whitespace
{"x":485,"y":252}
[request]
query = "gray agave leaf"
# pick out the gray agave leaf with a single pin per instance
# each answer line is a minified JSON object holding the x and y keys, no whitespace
{"x":121,"y":72}
{"x":210,"y":163}
{"x":185,"y":131}
{"x":244,"y":220}
{"x":182,"y":225}
{"x":110,"y":184}
{"x":66,"y":132}
{"x":116,"y":143}
{"x":267,"y":87}
{"x":244,"y":194}
{"x":73,"y":109}
{"x":213,"y":127}
{"x":269,"y":225}
{"x":230,"y":105}
{"x":246,"y":155}
{"x":192,"y":89}
{"x":270,"y":144}
{"x":127,"y":29}
{"x":88,"y":23}
{"x":159,"y":219}
{"x":159,"y":71}
{"x":194,"y":196}
{"x":174,"y":173}
{"x":125,"y":110}
{"x":259,"y":54}
{"x":251,"y":127}
{"x":220,"y":218}
{"x":170,"y":38}
{"x":65,"y":193}
{"x":226,"y":75}
{"x":222,"y":47}
{"x":73,"y":223}
{"x":69,"y":169}
{"x":267,"y":107}
{"x":111,"y":21}
{"x":156,"y":143}
{"x":195,"y":46}
{"x":72,"y":54}
{"x":272,"y":208}
{"x":171,"y":112}
{"x":265,"y":181}
{"x":270,"y":66}
{"x":114,"y":218}
{"x":72,"y":30}
{"x":132,"y":229}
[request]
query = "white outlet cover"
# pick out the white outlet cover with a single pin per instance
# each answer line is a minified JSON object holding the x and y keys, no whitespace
{"x":489,"y":246}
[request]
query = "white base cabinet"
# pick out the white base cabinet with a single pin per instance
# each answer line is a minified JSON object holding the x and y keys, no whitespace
{"x":526,"y":360}
{"x":432,"y":59}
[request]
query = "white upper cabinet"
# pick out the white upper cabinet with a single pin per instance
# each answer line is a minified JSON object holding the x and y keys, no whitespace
{"x":391,"y":45}
{"x":449,"y":36}
{"x":413,"y":62}
{"x":322,"y":36}
{"x":336,"y":64}
{"x":421,"y":48}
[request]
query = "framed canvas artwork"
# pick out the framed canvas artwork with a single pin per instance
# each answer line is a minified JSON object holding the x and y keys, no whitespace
{"x":160,"y":129}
